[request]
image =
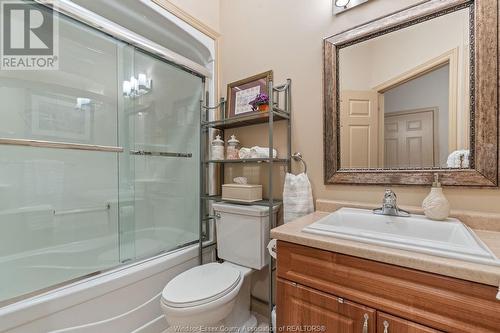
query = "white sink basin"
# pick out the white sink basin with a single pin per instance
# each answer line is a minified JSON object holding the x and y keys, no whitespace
{"x":450,"y":238}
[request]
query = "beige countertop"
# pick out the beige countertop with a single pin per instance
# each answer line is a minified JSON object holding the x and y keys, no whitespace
{"x":292,"y":232}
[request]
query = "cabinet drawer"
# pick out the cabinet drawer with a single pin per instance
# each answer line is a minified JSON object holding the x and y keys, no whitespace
{"x":390,"y":324}
{"x":444,"y":303}
{"x":301,"y":309}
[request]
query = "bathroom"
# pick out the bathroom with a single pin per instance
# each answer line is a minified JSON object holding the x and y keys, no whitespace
{"x":121,"y":210}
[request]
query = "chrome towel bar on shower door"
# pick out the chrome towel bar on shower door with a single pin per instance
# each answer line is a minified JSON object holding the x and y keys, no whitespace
{"x":107,"y":207}
{"x":160,"y":153}
{"x":58,"y":145}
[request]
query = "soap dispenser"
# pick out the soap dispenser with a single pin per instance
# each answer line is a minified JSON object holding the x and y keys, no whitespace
{"x":435,"y":205}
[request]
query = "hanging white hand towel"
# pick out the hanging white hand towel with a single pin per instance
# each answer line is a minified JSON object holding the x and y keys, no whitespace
{"x":297,"y":197}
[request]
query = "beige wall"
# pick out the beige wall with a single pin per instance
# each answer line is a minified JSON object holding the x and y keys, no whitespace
{"x":206,"y":11}
{"x":286,"y":36}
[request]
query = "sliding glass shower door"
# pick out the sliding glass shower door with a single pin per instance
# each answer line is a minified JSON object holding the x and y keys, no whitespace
{"x":58,"y":217}
{"x":161,"y":164}
{"x":99,"y":162}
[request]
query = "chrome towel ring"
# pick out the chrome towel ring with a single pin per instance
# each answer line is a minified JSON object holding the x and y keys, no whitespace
{"x":298,"y":157}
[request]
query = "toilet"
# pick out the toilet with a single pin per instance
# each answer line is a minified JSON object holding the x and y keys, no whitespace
{"x":217,"y":295}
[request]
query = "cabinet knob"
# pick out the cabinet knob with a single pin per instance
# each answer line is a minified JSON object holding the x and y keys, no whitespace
{"x":386,"y":326}
{"x":365,"y":323}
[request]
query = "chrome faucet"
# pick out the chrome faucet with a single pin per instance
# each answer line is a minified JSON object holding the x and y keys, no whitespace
{"x":390,"y":207}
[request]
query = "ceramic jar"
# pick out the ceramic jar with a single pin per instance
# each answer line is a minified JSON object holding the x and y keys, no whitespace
{"x":217,"y":149}
{"x":233,"y":148}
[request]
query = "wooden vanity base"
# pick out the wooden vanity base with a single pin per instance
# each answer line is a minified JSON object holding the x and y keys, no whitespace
{"x":321,"y":288}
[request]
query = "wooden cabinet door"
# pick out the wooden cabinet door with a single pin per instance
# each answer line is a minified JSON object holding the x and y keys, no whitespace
{"x":301,"y":309}
{"x":448,"y":304}
{"x":390,"y":324}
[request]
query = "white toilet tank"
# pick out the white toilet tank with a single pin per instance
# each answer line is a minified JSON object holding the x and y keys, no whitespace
{"x":243,"y":233}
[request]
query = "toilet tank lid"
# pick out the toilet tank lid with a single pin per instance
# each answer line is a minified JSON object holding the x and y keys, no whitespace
{"x":248,"y":210}
{"x":201,"y":284}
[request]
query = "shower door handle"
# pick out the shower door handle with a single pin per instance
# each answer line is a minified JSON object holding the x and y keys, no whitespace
{"x":160,"y":153}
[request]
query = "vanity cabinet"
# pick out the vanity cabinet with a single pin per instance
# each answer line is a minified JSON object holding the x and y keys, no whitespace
{"x":387,"y":324}
{"x":309,"y":310}
{"x":318,"y":287}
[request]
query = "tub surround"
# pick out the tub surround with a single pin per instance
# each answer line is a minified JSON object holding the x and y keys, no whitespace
{"x":122,"y":300}
{"x":486,"y":227}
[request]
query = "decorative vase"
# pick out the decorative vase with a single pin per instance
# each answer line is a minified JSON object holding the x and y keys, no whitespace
{"x":263,"y":107}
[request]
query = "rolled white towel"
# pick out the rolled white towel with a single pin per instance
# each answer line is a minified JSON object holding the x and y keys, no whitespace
{"x":261,"y":152}
{"x":458,"y":159}
{"x":245,"y":153}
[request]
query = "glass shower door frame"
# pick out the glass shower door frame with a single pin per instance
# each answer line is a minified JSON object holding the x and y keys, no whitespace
{"x":88,"y":18}
{"x":98,"y":22}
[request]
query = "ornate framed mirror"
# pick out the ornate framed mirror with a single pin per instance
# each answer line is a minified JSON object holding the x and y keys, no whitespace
{"x":413,"y":94}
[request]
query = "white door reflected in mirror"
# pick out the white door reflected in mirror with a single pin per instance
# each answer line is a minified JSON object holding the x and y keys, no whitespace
{"x":405,"y":97}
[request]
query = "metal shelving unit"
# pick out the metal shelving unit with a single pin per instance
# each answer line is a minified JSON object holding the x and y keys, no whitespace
{"x":281,"y":102}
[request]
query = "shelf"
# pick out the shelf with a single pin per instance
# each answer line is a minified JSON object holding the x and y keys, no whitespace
{"x":264,"y":202}
{"x":251,"y":160}
{"x":247,"y":120}
{"x":277,"y":112}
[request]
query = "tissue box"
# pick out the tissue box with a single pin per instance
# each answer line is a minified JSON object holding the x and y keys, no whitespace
{"x":242,"y":192}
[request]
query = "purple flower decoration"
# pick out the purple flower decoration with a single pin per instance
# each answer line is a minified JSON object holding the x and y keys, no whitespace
{"x":260,"y":99}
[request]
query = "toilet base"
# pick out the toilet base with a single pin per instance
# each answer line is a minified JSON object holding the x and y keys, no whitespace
{"x":232,"y":315}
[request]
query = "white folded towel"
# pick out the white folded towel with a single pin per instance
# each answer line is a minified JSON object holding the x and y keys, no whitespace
{"x":458,"y":159}
{"x":297,"y":197}
{"x":244,"y":153}
{"x":498,"y":294}
{"x":261,"y":152}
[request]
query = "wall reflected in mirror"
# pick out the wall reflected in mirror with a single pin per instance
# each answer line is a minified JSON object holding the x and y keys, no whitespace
{"x":405,"y":97}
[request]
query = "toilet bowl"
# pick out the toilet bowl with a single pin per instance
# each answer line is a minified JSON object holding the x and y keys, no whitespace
{"x":215,"y":297}
{"x":209,"y":296}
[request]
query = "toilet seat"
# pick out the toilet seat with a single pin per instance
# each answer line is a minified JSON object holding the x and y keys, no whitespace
{"x":201,"y":285}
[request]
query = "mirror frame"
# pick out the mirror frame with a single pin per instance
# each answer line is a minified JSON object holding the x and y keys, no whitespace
{"x":484,"y":99}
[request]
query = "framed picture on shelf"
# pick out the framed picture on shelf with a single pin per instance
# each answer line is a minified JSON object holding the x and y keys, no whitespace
{"x":242,"y":92}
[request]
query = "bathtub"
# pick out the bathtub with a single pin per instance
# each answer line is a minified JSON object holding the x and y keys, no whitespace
{"x":126,"y":299}
{"x":33,"y":270}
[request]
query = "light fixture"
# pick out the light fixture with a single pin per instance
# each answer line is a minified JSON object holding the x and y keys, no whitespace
{"x":137,"y":87}
{"x":340,"y":6}
{"x":82,"y":103}
{"x":342,"y":3}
